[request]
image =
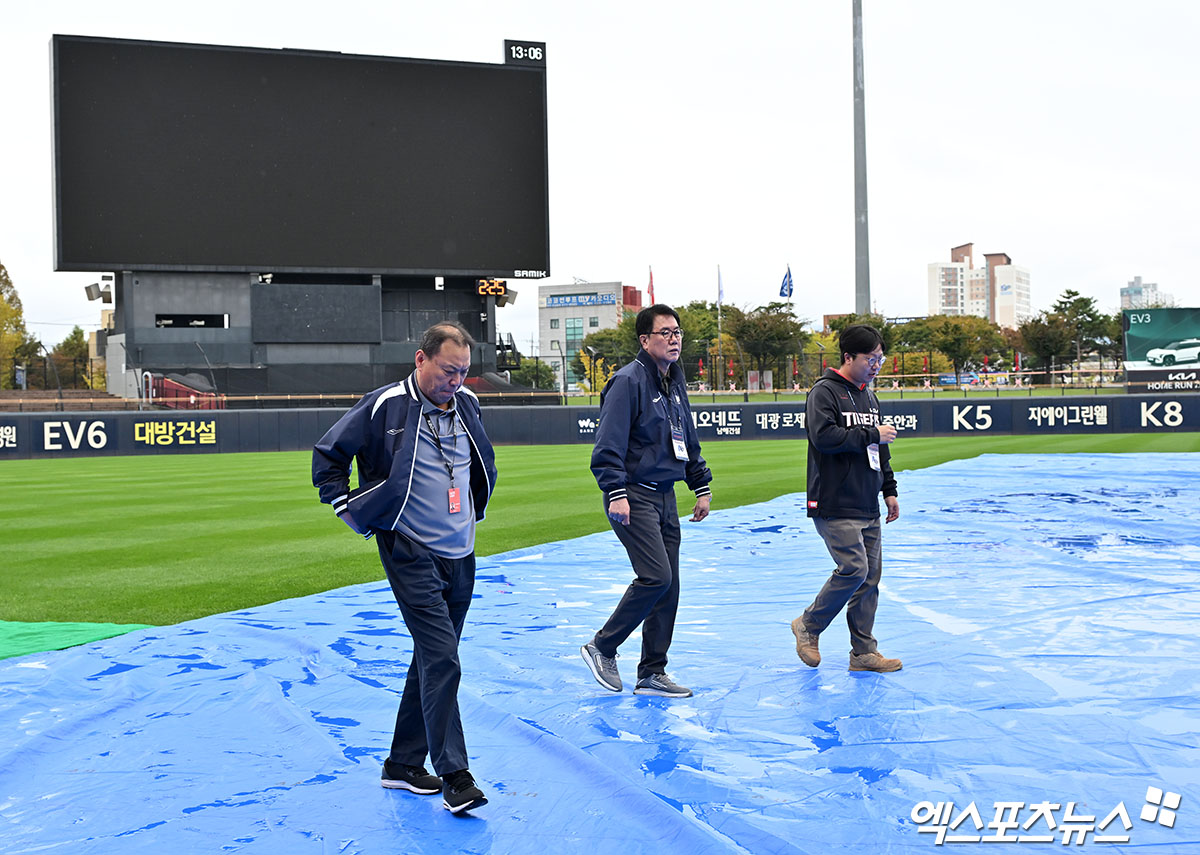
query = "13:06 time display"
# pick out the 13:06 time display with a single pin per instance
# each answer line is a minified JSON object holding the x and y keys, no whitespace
{"x":524,"y":53}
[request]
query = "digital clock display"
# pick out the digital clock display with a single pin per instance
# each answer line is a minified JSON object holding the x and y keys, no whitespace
{"x":524,"y":53}
{"x":491,"y":287}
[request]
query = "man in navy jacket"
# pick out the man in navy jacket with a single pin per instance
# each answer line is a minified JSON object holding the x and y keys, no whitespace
{"x":645,"y":443}
{"x":425,"y":472}
{"x":849,"y":466}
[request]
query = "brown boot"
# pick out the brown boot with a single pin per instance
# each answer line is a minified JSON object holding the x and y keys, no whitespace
{"x":873,"y":662}
{"x":806,"y":644}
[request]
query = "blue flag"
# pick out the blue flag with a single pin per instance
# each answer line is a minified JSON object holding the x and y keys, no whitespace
{"x":785,"y":289}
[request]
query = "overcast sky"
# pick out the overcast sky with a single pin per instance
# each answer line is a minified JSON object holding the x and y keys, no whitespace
{"x":687,"y":135}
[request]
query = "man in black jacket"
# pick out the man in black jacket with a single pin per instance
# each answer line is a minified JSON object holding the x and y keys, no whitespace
{"x":849,"y":465}
{"x":645,"y":443}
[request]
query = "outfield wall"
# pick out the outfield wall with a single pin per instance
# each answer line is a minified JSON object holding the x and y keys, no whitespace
{"x":42,"y":435}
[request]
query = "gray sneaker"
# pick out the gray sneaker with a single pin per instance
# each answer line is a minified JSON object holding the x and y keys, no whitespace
{"x":661,"y":685}
{"x":604,"y":668}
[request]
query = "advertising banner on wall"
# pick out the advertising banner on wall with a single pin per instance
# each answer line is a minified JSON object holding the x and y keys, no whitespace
{"x":63,"y":434}
{"x":1162,"y":349}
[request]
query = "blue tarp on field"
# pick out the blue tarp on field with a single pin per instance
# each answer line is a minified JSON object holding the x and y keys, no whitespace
{"x":1047,"y":610}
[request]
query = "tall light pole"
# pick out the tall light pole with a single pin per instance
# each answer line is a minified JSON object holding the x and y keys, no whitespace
{"x":862,"y":256}
{"x":592,"y":364}
{"x":562,"y":355}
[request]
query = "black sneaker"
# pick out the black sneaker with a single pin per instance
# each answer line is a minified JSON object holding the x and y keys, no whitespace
{"x":415,"y":779}
{"x":460,"y":793}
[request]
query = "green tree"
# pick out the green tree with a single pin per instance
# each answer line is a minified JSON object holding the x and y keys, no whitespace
{"x":886,"y":329}
{"x":15,"y":343}
{"x":616,"y":345}
{"x":534,"y":374}
{"x":1110,"y":342}
{"x":699,"y":321}
{"x":1047,"y":337}
{"x":768,"y":334}
{"x":74,"y":346}
{"x":1084,"y":321}
{"x":962,"y":339}
{"x":71,"y":358}
{"x":725,"y":357}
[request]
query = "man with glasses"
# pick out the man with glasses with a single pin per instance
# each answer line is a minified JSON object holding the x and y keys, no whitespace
{"x":645,"y":443}
{"x":849,"y":465}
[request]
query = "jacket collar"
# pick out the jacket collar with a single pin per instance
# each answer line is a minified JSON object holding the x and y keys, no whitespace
{"x":674,"y":372}
{"x":837,"y":376}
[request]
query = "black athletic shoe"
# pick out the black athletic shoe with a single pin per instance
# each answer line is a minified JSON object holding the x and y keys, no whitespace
{"x":412,"y":778}
{"x":460,"y":793}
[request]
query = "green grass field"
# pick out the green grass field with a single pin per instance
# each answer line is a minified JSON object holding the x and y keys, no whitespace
{"x":158,"y":540}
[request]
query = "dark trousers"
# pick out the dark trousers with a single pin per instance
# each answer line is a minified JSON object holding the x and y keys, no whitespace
{"x":856,"y":547}
{"x":652,"y":541}
{"x":434,"y":594}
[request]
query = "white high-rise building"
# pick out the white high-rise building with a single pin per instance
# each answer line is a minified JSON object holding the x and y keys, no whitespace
{"x":998,"y":291}
{"x":1143,"y":295}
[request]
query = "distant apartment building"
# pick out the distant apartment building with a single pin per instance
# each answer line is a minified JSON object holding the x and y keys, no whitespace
{"x":1143,"y":295}
{"x":998,"y":291}
{"x":568,"y":313}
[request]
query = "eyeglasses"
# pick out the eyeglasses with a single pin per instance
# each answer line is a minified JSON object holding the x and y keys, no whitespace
{"x":669,"y":334}
{"x":875,"y":361}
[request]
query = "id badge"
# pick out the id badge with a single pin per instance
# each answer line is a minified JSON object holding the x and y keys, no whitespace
{"x":873,"y":456}
{"x":680,"y":446}
{"x":455,"y":500}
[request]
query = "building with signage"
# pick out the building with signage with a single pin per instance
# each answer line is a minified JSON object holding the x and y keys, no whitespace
{"x":568,"y":313}
{"x":998,"y":291}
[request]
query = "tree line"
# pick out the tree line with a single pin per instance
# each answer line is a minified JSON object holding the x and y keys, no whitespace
{"x":66,"y":364}
{"x":772,"y":338}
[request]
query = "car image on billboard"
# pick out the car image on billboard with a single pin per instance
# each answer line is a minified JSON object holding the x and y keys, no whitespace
{"x":1185,"y":350}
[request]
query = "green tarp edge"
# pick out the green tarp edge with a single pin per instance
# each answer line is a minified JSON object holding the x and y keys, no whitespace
{"x":20,"y":639}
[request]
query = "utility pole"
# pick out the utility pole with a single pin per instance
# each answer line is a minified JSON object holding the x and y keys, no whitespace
{"x":862,"y":256}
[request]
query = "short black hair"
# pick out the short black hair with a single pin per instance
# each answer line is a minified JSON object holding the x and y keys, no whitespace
{"x":645,"y":318}
{"x":858,"y":338}
{"x":440,"y":333}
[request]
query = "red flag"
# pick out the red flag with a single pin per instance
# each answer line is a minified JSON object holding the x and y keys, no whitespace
{"x":651,"y":287}
{"x":985,"y":361}
{"x":924,"y":364}
{"x":1018,"y":360}
{"x":701,"y":367}
{"x":895,"y":365}
{"x":795,"y":371}
{"x":730,"y":361}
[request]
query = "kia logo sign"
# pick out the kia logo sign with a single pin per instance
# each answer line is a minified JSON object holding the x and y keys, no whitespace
{"x":1179,"y":375}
